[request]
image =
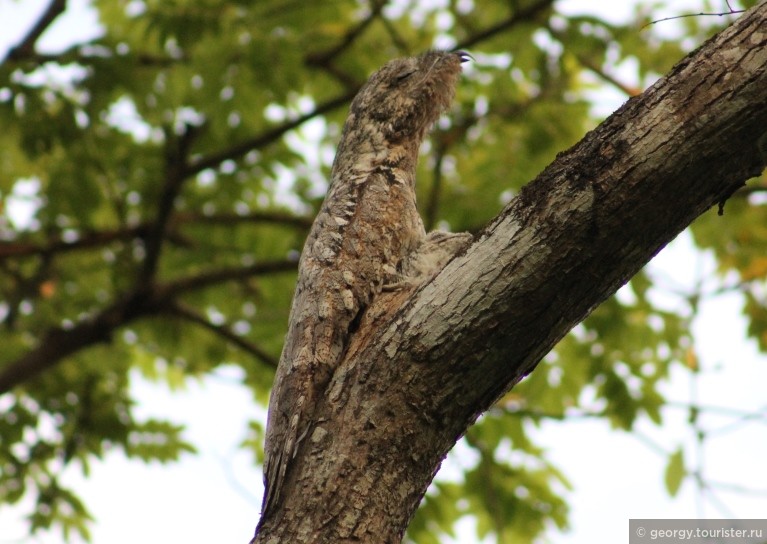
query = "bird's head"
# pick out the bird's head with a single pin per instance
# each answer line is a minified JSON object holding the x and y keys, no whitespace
{"x":407,"y":95}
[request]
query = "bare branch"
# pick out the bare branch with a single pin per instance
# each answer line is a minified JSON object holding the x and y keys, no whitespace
{"x":604,"y":76}
{"x":26,"y":48}
{"x":58,"y":245}
{"x":527,"y":14}
{"x":701,"y":14}
{"x":61,"y":342}
{"x":270,"y":136}
{"x":189,"y":314}
{"x":214,"y":277}
{"x":324,"y":58}
{"x":276,"y":217}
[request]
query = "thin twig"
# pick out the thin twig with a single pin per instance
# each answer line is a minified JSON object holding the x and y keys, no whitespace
{"x":432,"y":204}
{"x":737,"y":488}
{"x":527,"y":14}
{"x":270,"y":136}
{"x":189,"y":314}
{"x":701,"y":14}
{"x":323,"y":58}
{"x":599,"y":72}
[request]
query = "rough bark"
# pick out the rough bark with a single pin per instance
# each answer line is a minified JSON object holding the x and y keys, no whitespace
{"x":424,"y":365}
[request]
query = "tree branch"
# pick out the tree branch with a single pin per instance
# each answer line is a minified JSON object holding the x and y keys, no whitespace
{"x":177,"y":151}
{"x":699,"y":14}
{"x":189,"y":314}
{"x":324,"y":58}
{"x":26,"y":48}
{"x":527,"y":14}
{"x":214,"y":277}
{"x":89,"y":240}
{"x":145,"y":300}
{"x":431,"y":210}
{"x":61,"y":342}
{"x":276,"y":217}
{"x":58,"y":245}
{"x":607,"y":78}
{"x":423,"y":365}
{"x":270,"y":136}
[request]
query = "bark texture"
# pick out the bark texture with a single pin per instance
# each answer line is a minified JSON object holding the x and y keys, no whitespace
{"x":425,"y":363}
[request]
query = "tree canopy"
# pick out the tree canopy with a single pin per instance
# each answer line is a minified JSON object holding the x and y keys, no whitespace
{"x":159,"y":178}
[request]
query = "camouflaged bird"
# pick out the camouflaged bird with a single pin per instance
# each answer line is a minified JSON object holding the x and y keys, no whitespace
{"x":367,"y":236}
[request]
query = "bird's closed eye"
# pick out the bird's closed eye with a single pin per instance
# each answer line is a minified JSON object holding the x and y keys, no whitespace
{"x":404,"y":74}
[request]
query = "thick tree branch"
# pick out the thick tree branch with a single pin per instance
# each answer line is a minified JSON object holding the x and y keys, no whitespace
{"x":177,"y":151}
{"x":61,"y":342}
{"x":146,"y":300}
{"x":423,"y":366}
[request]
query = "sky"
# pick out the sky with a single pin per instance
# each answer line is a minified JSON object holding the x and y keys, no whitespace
{"x":215,"y":496}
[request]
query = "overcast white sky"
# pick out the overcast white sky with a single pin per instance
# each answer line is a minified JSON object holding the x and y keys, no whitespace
{"x":215,"y":496}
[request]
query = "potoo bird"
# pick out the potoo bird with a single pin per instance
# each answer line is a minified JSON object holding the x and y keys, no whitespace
{"x":367,"y":236}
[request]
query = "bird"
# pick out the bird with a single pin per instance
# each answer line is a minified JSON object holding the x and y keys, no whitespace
{"x":364,"y":240}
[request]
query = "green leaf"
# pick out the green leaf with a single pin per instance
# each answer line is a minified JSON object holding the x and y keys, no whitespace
{"x":675,"y":472}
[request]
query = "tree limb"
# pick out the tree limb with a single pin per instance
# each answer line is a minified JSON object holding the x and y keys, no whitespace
{"x":270,"y":136}
{"x":56,"y":244}
{"x":214,"y":277}
{"x":529,"y":13}
{"x":61,"y":342}
{"x":89,"y":240}
{"x":422,"y":366}
{"x":193,"y":316}
{"x":145,"y":300}
{"x":324,"y":58}
{"x":276,"y":217}
{"x":26,"y":48}
{"x":177,"y":151}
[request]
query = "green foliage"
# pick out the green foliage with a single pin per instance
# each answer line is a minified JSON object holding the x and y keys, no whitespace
{"x":192,"y":103}
{"x":740,"y":246}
